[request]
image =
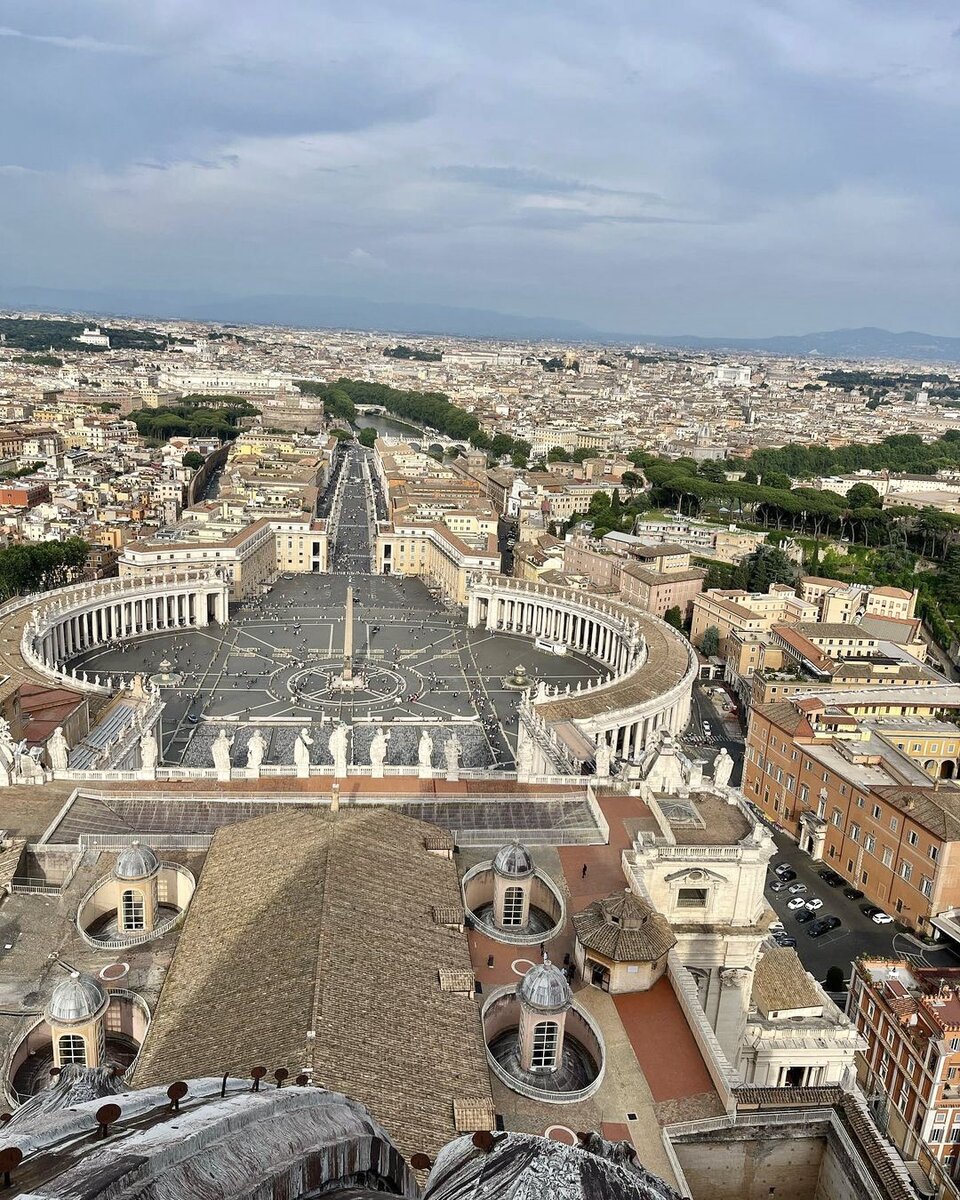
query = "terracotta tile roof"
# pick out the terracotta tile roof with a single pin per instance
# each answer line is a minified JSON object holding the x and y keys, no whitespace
{"x":624,"y":928}
{"x":780,"y":983}
{"x":310,"y":944}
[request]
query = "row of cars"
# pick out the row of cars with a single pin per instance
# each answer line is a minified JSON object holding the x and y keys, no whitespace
{"x":805,"y":909}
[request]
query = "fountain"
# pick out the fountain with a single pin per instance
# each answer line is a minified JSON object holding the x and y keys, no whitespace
{"x":518,"y":680}
{"x":166,"y":676}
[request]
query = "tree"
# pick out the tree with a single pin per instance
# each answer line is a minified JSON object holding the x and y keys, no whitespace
{"x":193,"y":460}
{"x":631,"y":480}
{"x":834,"y":981}
{"x":673,"y":616}
{"x":557,"y":454}
{"x":710,"y":642}
{"x":367,"y":436}
{"x":862,"y":495}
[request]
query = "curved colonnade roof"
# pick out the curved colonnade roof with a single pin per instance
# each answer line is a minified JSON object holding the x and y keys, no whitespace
{"x":667,"y":663}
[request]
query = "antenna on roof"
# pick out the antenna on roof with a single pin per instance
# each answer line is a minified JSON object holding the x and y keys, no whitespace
{"x":175,"y":1093}
{"x":256,"y":1075}
{"x":280,"y":1074}
{"x":420,"y":1162}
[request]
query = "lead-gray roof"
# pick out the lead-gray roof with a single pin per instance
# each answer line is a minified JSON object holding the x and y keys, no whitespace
{"x":75,"y":999}
{"x":544,"y":988}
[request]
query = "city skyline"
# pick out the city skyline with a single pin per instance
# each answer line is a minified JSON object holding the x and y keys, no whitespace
{"x":753,"y":174}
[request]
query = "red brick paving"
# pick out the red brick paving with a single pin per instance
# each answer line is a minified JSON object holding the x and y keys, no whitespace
{"x":668,"y":1056}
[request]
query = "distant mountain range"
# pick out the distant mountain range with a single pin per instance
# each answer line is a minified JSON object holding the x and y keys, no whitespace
{"x":401,"y":317}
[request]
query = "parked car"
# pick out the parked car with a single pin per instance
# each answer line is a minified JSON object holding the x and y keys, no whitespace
{"x":814,"y":904}
{"x":795,"y":903}
{"x":797,"y":888}
{"x":837,"y":881}
{"x":787,"y":876}
{"x":853,"y":893}
{"x":779,"y":885}
{"x":824,"y":925}
{"x":826,"y":873}
{"x":779,"y":868}
{"x":804,"y":915}
{"x":784,"y":939}
{"x":870,"y":910}
{"x":881,"y":918}
{"x":776,"y":927}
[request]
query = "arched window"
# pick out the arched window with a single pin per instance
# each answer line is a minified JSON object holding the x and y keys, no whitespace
{"x":513,"y":906}
{"x":545,"y":1035}
{"x":73,"y":1049}
{"x":131,"y":910}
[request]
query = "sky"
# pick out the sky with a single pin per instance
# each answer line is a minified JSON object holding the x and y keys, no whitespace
{"x":749,"y":167}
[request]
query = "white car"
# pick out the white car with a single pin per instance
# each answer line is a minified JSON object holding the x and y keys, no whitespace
{"x":881,"y":919}
{"x":797,"y":888}
{"x":795,"y":903}
{"x":777,"y":927}
{"x":814,"y":904}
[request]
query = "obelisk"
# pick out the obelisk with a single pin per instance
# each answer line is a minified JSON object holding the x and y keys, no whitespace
{"x":348,"y":638}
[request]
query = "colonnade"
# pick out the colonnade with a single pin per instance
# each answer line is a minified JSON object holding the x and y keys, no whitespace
{"x":70,"y":620}
{"x":576,"y":623}
{"x":624,"y":716}
{"x":122,"y":619}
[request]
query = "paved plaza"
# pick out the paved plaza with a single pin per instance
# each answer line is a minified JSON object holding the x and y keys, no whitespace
{"x":274,"y":665}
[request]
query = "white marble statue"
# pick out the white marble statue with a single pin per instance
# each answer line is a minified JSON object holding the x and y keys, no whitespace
{"x":7,"y":753}
{"x":256,"y":749}
{"x":301,"y":752}
{"x":451,"y":752}
{"x":58,"y":749}
{"x":149,"y":751}
{"x":603,"y":756}
{"x":378,"y":753}
{"x":338,"y":749}
{"x":425,"y":751}
{"x":221,"y":751}
{"x":524,"y":755}
{"x":722,"y":768}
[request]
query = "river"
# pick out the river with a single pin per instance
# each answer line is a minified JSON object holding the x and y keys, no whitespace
{"x":387,"y":426}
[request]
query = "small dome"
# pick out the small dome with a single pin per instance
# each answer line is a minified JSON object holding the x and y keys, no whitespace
{"x":545,"y":989}
{"x":76,"y":999}
{"x":513,"y":861}
{"x":136,"y":861}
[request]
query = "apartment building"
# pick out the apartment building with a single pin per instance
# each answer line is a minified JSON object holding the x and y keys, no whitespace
{"x":909,"y":1070}
{"x":867,"y":786}
{"x":431,"y":551}
{"x":840,"y":602}
{"x":734,"y":610}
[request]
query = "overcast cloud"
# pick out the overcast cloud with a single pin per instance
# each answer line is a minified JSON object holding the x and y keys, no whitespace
{"x":736,"y":167}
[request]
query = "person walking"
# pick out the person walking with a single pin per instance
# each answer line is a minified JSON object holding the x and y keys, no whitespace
{"x":583,"y":872}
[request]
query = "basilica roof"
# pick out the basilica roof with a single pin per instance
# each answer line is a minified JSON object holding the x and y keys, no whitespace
{"x":311,"y":944}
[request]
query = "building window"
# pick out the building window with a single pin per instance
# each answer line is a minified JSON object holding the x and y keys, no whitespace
{"x":545,"y":1036}
{"x":876,"y":812}
{"x":887,"y":856}
{"x":926,"y":887}
{"x":933,"y":853}
{"x":893,"y":824}
{"x":855,"y":833}
{"x":804,"y":793}
{"x":912,"y":837}
{"x":936,"y":1133}
{"x":869,"y":842}
{"x":692,"y":898}
{"x":73,"y":1049}
{"x":131,"y":911}
{"x":906,"y":871}
{"x":837,"y":816}
{"x":513,"y":906}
